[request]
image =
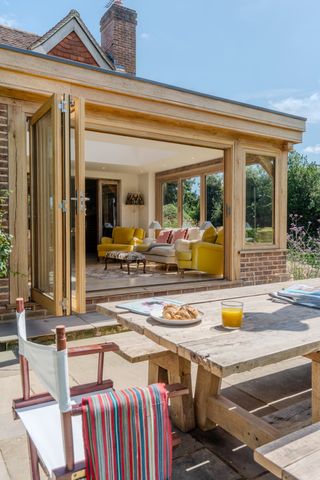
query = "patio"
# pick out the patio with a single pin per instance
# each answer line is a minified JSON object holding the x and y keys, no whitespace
{"x":280,"y":393}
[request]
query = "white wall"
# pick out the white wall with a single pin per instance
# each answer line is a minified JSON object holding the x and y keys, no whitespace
{"x":146,"y":183}
{"x":129,"y":182}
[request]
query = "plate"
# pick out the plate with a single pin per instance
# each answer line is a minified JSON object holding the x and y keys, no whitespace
{"x":165,"y":321}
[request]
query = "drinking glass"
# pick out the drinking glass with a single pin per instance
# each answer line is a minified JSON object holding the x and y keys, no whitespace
{"x":232,"y":314}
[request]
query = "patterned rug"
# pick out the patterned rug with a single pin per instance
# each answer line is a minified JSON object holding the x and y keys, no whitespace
{"x":115,"y":272}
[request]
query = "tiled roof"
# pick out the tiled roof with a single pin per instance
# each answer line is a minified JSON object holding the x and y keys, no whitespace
{"x":17,"y":38}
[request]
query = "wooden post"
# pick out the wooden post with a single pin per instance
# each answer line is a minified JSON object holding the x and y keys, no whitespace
{"x":207,"y":385}
{"x":24,"y":366}
{"x":100,"y":368}
{"x":34,"y":460}
{"x":315,"y":390}
{"x":66,"y":417}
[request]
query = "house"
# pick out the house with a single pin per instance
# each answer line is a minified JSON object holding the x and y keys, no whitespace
{"x":81,"y":135}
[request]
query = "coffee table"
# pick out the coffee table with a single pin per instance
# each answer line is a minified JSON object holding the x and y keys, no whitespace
{"x":125,"y":257}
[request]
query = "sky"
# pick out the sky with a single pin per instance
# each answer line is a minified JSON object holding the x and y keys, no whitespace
{"x":263,"y":52}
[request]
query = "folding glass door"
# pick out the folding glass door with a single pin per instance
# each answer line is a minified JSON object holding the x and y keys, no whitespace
{"x":52,"y":216}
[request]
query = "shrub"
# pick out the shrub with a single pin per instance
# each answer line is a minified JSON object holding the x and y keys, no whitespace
{"x":5,"y":237}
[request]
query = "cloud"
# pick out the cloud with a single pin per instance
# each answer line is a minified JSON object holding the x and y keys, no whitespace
{"x":145,"y":36}
{"x":315,"y":149}
{"x":8,"y":21}
{"x":307,"y":106}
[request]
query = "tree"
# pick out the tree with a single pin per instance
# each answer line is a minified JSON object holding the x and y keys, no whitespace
{"x":304,"y":190}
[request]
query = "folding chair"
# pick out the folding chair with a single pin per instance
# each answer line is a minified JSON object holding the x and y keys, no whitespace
{"x":53,"y":419}
{"x":54,"y":434}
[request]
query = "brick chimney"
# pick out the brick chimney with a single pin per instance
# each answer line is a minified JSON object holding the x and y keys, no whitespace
{"x":118,"y":35}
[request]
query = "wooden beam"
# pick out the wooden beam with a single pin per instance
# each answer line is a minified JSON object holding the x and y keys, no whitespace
{"x":249,"y":429}
{"x":18,"y":203}
{"x":207,"y":385}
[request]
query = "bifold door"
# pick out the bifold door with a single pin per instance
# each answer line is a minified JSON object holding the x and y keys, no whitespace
{"x":57,"y":135}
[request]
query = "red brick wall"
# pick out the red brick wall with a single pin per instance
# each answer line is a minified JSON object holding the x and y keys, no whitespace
{"x":118,"y":36}
{"x":263,"y":267}
{"x":4,"y":185}
{"x":72,"y":48}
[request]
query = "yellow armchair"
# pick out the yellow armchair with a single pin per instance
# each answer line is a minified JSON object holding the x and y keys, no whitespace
{"x":123,"y":239}
{"x":201,"y":255}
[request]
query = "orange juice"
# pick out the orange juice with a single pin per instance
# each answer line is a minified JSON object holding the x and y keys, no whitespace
{"x":232,"y":314}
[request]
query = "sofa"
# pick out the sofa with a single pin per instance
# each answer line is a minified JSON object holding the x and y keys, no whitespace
{"x":162,"y":250}
{"x":206,"y":255}
{"x":123,"y":238}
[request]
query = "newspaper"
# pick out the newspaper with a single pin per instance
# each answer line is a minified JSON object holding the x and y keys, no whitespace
{"x":300,"y":294}
{"x":149,"y":306}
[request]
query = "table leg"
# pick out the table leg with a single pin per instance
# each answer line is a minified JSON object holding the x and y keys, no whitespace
{"x":128,"y":265}
{"x":156,"y":374}
{"x":105,"y":262}
{"x":144,"y":266}
{"x":178,"y":371}
{"x":207,"y":385}
{"x":315,"y":391}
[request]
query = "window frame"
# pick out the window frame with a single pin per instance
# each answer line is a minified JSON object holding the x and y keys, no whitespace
{"x":179,"y":175}
{"x":274,"y":154}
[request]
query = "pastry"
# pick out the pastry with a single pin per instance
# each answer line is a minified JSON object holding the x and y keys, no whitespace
{"x":175,"y":312}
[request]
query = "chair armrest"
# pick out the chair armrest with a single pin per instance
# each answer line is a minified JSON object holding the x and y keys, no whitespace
{"x":182,"y":245}
{"x":92,"y":349}
{"x":106,"y":240}
{"x":210,"y":247}
{"x":136,"y":241}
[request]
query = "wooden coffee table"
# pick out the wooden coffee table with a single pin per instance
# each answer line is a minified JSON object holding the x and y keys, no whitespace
{"x":127,"y":258}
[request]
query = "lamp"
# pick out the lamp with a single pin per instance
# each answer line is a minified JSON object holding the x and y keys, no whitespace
{"x":154,"y":225}
{"x":135,"y":199}
{"x":206,"y":225}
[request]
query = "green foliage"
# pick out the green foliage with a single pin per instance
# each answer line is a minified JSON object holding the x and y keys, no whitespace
{"x":215,"y":199}
{"x":303,"y":190}
{"x":191,"y":201}
{"x":170,"y":215}
{"x":5,"y":238}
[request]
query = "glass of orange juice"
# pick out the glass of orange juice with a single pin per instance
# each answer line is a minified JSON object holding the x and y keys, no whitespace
{"x":232,"y":314}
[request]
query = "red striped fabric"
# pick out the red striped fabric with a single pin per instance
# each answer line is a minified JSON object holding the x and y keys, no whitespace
{"x":127,"y":434}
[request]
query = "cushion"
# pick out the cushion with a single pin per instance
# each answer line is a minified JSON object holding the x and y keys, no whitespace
{"x":194,"y":234}
{"x":220,"y":236}
{"x":164,"y":236}
{"x":122,"y":235}
{"x":182,"y":245}
{"x":209,"y":235}
{"x":139,"y":233}
{"x":178,"y":234}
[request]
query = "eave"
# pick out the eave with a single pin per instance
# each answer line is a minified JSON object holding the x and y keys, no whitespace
{"x":40,"y":74}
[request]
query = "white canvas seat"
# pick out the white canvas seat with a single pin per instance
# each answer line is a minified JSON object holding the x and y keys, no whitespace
{"x":43,"y":424}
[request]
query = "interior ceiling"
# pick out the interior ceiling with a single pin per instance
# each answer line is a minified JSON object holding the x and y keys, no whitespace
{"x":117,"y":153}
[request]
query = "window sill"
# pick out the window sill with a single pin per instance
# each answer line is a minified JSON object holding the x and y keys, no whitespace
{"x":262,"y":248}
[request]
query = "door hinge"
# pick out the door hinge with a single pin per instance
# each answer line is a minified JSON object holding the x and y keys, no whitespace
{"x":64,"y":304}
{"x":63,"y":206}
{"x":63,"y":106}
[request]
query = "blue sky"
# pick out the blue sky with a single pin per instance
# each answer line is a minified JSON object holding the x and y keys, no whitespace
{"x":264,"y":52}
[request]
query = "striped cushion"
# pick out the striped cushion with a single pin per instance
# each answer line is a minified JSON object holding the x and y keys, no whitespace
{"x":127,"y":434}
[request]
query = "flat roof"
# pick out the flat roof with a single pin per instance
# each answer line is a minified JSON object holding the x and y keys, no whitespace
{"x":145,"y":80}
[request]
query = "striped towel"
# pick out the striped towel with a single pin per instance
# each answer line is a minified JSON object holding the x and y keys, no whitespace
{"x":127,"y":434}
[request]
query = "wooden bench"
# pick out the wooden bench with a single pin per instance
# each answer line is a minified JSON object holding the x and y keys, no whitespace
{"x":293,"y":457}
{"x":135,"y":348}
{"x":163,"y":366}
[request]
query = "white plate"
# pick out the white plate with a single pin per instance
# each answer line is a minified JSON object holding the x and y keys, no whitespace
{"x":165,"y":321}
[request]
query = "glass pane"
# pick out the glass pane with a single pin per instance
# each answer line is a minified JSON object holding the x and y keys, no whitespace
{"x":214,"y":199}
{"x":191,"y":201}
{"x":109,"y":205}
{"x":170,"y":205}
{"x":259,"y":198}
{"x":44,"y":205}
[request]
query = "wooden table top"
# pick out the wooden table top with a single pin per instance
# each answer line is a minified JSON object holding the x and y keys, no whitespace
{"x":271,"y":332}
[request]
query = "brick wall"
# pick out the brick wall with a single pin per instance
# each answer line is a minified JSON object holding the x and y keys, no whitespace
{"x":72,"y":48}
{"x":118,"y":36}
{"x":4,"y":185}
{"x":263,"y":267}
